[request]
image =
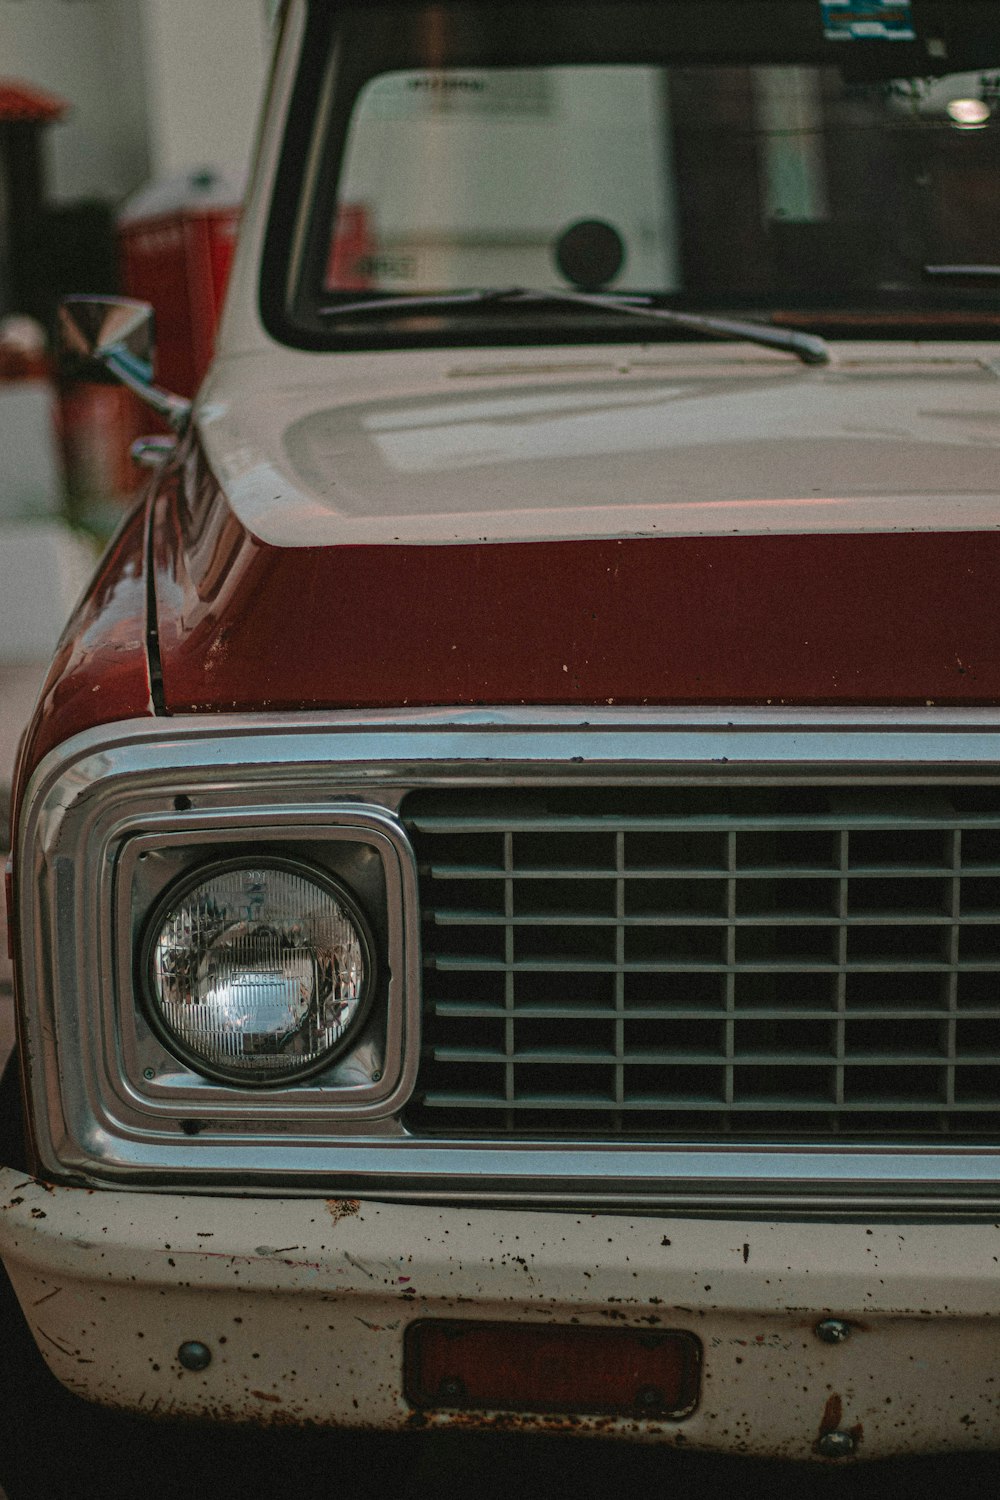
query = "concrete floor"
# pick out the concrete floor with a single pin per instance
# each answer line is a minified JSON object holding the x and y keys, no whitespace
{"x":19,"y":685}
{"x":18,"y":689}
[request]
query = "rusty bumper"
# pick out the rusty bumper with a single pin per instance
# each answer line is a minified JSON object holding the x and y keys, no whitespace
{"x":288,"y":1311}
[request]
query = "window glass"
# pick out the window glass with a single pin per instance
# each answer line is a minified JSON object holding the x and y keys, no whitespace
{"x":663,"y":151}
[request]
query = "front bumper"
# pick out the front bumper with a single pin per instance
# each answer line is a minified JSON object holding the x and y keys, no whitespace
{"x":303,"y":1306}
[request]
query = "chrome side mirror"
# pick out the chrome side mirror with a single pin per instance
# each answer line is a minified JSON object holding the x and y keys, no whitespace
{"x":117,"y":333}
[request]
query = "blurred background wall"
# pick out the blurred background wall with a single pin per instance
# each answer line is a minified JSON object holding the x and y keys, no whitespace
{"x":154,"y":86}
{"x":126,"y":128}
{"x":205,"y":62}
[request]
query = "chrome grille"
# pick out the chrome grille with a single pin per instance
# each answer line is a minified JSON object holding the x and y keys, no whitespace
{"x":782,"y":961}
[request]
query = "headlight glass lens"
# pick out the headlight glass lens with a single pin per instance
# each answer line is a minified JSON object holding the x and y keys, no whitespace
{"x":258,"y":973}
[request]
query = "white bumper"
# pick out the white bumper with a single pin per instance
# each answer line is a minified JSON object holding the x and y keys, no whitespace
{"x":303,"y":1304}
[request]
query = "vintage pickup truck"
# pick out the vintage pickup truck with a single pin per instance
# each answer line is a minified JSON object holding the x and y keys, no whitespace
{"x":506,"y":876}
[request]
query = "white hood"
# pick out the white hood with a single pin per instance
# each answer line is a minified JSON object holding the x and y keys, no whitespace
{"x":523,"y":444}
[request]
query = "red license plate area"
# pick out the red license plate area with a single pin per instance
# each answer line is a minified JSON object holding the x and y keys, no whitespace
{"x":540,"y":1367}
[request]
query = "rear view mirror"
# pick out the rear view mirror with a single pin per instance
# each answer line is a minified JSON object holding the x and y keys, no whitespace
{"x":117,"y":334}
{"x":93,"y":327}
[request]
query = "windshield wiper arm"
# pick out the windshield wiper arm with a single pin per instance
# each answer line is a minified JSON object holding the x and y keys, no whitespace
{"x":989,"y":274}
{"x":807,"y":347}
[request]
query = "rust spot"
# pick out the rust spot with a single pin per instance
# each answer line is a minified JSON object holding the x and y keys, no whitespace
{"x":38,"y":1182}
{"x":265,"y":1396}
{"x":530,"y":1422}
{"x":74,"y":1353}
{"x":832,"y":1414}
{"x":342,"y":1208}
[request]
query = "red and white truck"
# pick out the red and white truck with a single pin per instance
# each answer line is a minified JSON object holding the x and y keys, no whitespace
{"x":506,"y":877}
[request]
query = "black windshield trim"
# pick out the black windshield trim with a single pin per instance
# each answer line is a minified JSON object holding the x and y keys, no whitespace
{"x":967,"y":25}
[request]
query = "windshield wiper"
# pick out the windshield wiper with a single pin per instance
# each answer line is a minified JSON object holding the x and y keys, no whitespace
{"x":807,"y":347}
{"x":988,"y":274}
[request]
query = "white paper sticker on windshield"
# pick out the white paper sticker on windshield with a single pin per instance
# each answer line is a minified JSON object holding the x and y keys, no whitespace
{"x":867,"y":20}
{"x":493,"y":91}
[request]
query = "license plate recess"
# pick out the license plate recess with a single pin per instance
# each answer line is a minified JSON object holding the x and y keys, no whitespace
{"x":462,"y":1365}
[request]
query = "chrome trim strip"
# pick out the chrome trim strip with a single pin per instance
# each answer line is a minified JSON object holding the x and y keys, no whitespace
{"x":778,"y":736}
{"x":104,"y":789}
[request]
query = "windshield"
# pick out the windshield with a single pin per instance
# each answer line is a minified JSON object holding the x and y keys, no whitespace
{"x":783,"y":160}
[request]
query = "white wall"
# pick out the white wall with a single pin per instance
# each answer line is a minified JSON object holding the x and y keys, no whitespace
{"x":89,"y":52}
{"x":206,"y":62}
{"x":155,"y":86}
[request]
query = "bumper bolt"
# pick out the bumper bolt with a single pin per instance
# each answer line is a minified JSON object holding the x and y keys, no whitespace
{"x":836,"y":1445}
{"x":195,"y":1356}
{"x":833,"y":1330}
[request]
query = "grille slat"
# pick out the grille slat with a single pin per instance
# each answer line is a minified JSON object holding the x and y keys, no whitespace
{"x":570,"y":964}
{"x":689,"y":1103}
{"x":445,"y":918}
{"x":700,"y":1059}
{"x":720,"y":823}
{"x":784,"y":961}
{"x":456,"y":1009}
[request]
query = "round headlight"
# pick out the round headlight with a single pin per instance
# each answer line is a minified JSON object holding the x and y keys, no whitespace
{"x":259,"y":973}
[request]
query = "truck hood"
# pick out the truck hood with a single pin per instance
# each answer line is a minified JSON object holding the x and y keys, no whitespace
{"x":690,"y":525}
{"x":431,"y":448}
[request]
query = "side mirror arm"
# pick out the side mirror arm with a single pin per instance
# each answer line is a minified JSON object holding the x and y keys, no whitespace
{"x":124,"y":367}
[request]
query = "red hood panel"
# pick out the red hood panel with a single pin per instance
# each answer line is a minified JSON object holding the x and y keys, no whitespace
{"x":851,"y":619}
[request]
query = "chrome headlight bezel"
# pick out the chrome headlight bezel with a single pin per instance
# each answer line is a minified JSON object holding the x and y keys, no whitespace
{"x":180,"y":891}
{"x":360,"y":847}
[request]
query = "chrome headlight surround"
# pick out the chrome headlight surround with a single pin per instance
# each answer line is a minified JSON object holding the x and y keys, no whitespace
{"x":356,"y":847}
{"x":113,"y":822}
